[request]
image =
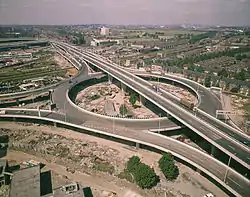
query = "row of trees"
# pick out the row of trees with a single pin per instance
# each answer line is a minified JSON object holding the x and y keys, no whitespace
{"x":197,"y":38}
{"x":79,"y":39}
{"x":145,"y":176}
{"x":238,"y":54}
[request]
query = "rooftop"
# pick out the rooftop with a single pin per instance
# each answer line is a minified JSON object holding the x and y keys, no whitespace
{"x":26,"y":183}
{"x":71,"y":190}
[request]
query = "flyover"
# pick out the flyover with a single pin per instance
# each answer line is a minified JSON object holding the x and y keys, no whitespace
{"x":215,"y":136}
{"x":207,"y":105}
{"x":242,"y":189}
{"x":75,"y":113}
{"x":237,"y":184}
{"x":79,"y":116}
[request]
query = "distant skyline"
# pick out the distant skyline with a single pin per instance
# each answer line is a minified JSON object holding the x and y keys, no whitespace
{"x":125,"y":12}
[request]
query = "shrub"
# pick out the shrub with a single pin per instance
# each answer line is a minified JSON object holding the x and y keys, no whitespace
{"x":168,"y":167}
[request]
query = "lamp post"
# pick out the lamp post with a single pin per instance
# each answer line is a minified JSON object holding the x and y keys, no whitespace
{"x":159,"y":124}
{"x":228,"y":164}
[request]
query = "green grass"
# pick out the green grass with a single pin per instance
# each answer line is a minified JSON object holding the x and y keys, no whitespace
{"x":104,"y":167}
{"x":126,"y":175}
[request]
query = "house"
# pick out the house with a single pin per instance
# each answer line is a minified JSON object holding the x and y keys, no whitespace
{"x":31,"y":182}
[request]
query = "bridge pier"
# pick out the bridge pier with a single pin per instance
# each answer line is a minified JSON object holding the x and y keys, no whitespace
{"x":137,"y":145}
{"x":142,"y":99}
{"x":55,"y":124}
{"x":110,"y":79}
{"x":212,"y":150}
{"x":14,"y":119}
{"x":123,"y":87}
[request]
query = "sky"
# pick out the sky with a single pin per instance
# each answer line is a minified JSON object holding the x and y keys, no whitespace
{"x":134,"y":12}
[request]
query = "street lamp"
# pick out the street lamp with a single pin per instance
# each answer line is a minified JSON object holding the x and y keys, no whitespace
{"x":33,"y":99}
{"x":228,"y":165}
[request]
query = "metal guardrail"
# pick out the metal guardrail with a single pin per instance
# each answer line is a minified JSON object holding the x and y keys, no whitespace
{"x":184,"y":158}
{"x":222,"y":123}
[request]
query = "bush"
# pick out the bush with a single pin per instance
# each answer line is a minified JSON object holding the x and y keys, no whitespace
{"x":133,"y":98}
{"x":168,"y":167}
{"x":144,"y":176}
{"x":132,"y":163}
{"x":123,"y":110}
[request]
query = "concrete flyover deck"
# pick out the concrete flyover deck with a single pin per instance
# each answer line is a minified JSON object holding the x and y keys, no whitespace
{"x":215,"y":136}
{"x":80,"y":116}
{"x":208,"y":104}
{"x":228,"y":178}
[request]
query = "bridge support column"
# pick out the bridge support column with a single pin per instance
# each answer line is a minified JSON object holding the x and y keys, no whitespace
{"x":55,"y":124}
{"x":142,"y":99}
{"x":110,"y":79}
{"x":212,"y":150}
{"x":198,"y":170}
{"x":137,"y":145}
{"x":14,"y":119}
{"x":39,"y":112}
{"x":123,"y":87}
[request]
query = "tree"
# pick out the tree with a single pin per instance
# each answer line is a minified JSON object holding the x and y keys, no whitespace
{"x":241,"y":75}
{"x":168,"y":167}
{"x":191,"y":67}
{"x":132,"y":163}
{"x":133,"y":98}
{"x":200,"y":69}
{"x":123,"y":110}
{"x":223,"y":72}
{"x":208,"y":81}
{"x":145,"y":177}
{"x":81,"y":39}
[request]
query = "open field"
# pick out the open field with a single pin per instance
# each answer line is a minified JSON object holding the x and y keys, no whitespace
{"x":43,"y":71}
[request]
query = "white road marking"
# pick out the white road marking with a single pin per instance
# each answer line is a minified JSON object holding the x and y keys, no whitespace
{"x":231,"y":147}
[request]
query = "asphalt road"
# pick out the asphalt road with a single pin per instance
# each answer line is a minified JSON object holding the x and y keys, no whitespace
{"x":209,"y":102}
{"x":238,"y":152}
{"x":219,"y":170}
{"x":205,"y":104}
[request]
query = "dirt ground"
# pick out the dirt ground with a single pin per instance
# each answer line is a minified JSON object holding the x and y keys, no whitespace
{"x":189,"y":182}
{"x":236,"y":104}
{"x":103,"y":93}
{"x":65,"y":64}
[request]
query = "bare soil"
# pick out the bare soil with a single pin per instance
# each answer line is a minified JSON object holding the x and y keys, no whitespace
{"x":70,"y":156}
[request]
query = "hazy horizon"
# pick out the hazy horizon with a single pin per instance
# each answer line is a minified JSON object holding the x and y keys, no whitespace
{"x":129,"y":12}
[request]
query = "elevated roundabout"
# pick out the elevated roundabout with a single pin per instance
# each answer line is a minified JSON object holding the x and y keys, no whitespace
{"x":135,"y":131}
